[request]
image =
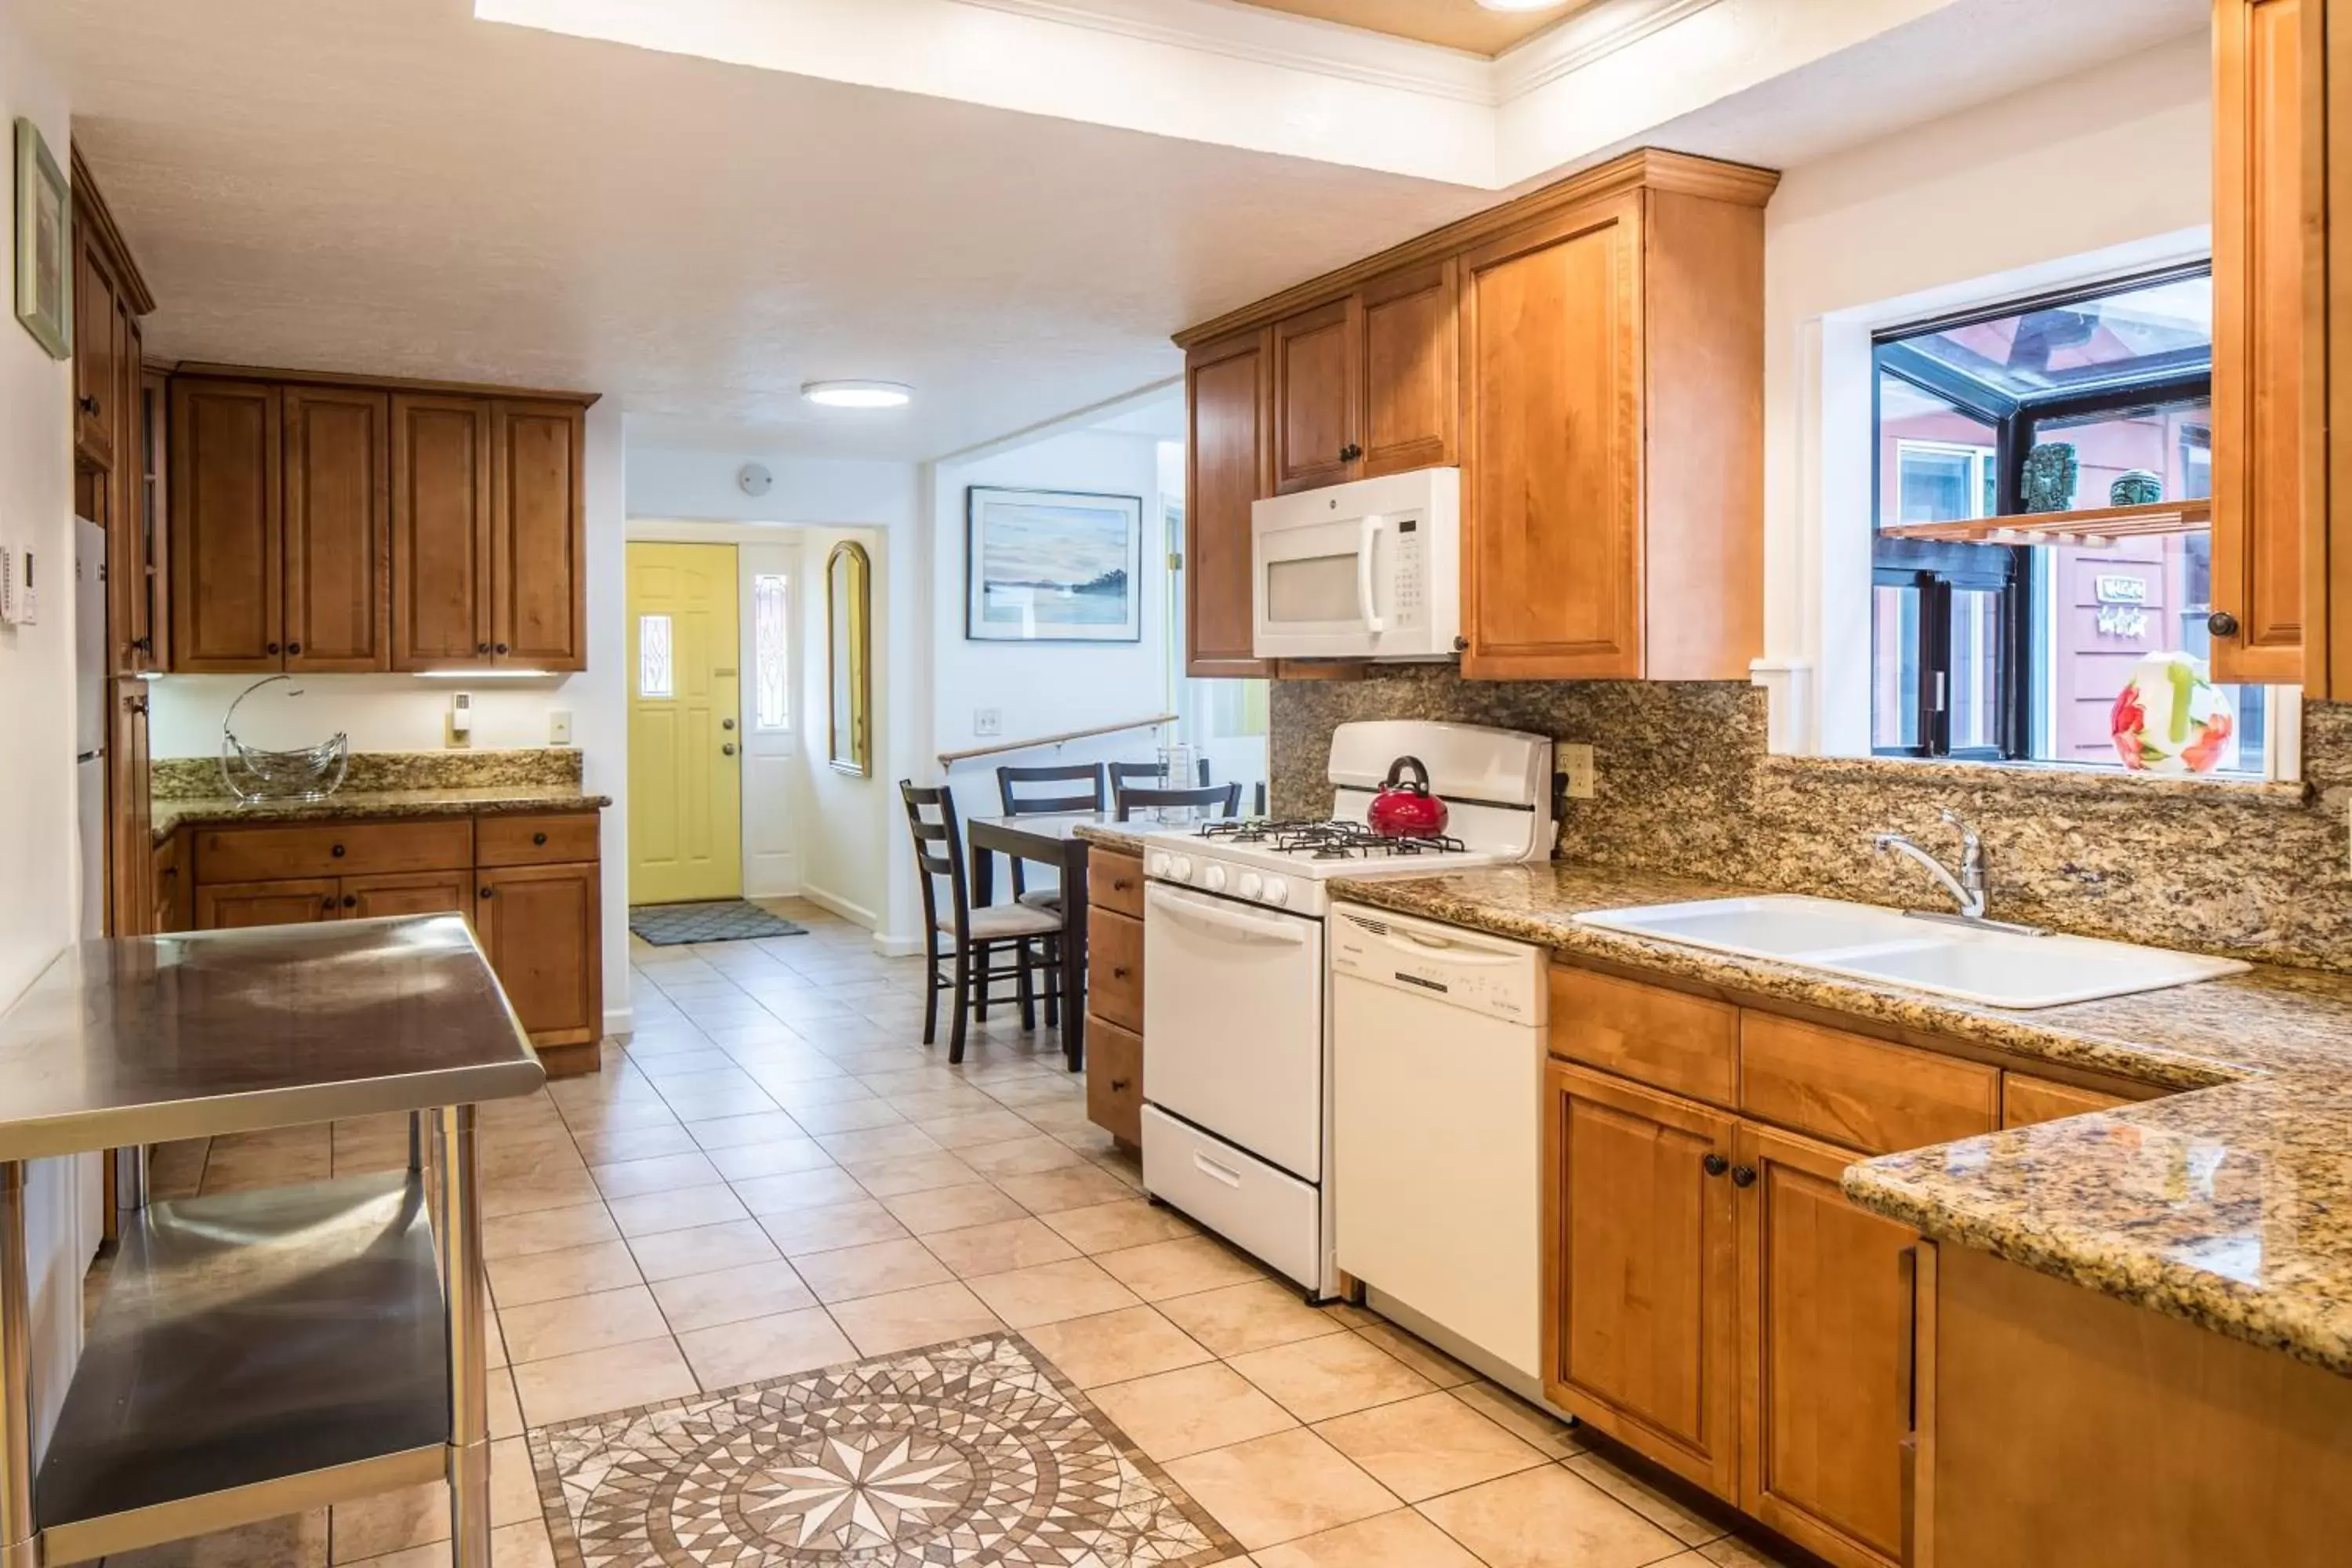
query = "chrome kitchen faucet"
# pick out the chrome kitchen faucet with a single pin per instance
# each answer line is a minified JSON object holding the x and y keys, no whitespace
{"x":1969,"y":889}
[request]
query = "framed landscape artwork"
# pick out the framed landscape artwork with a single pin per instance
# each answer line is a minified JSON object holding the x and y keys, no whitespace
{"x":44,"y":227}
{"x":1053,"y":566}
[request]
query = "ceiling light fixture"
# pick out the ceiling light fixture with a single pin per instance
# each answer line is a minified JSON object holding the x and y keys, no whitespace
{"x":859,"y":394}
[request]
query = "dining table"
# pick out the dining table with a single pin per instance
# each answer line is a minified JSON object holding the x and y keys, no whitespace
{"x":1049,"y":838}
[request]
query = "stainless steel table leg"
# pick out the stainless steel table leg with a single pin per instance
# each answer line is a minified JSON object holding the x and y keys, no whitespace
{"x":460,"y":1242}
{"x":417,"y":1140}
{"x":16,"y":1542}
{"x":130,"y":1178}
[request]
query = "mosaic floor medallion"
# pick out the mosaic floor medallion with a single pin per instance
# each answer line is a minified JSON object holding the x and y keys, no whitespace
{"x":974,"y":1453}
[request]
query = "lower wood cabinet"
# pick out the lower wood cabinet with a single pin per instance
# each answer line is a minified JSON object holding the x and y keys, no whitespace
{"x":233,"y":906}
{"x":410,"y":893}
{"x":1115,"y":993}
{"x":541,"y":927}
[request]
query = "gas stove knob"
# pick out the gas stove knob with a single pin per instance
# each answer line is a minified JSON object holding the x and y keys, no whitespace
{"x":1277,"y":891}
{"x":1253,"y":885}
{"x":1157,"y":864}
{"x":1213,"y":878}
{"x":1180,"y":868}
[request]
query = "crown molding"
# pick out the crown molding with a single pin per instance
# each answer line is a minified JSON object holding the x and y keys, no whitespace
{"x":1592,"y":34}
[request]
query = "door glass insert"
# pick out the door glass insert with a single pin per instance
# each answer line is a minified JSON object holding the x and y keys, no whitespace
{"x":657,"y":665}
{"x":771,"y":653}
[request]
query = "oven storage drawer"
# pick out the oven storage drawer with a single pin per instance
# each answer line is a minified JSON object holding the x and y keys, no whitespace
{"x":1265,"y":1212}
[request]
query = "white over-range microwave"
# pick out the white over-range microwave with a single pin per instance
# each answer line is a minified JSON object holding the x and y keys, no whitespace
{"x":1371,"y":569}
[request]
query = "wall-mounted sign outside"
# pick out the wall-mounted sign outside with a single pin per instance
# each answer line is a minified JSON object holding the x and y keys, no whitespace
{"x":2122,"y":590}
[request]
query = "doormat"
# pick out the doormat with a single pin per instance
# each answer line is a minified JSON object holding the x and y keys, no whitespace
{"x":726,"y":919}
{"x":972,"y":1452}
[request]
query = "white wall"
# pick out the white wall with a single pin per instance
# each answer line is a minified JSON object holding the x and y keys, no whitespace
{"x":38,"y":861}
{"x":2100,"y":173}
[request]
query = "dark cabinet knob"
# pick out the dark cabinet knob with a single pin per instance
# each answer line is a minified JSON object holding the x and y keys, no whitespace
{"x":1118,"y":972}
{"x":144,"y":644}
{"x":350,"y":902}
{"x":139,"y":705}
{"x":481,"y":648}
{"x":293,"y":647}
{"x":1743,"y":1176}
{"x":1118,"y":1086}
{"x":336,"y":851}
{"x":1350,"y":452}
{"x":1715,"y":1164}
{"x":539,"y":838}
{"x":486,"y":892}
{"x":272,"y":647}
{"x":1120,"y":885}
{"x":1461,"y":645}
{"x":2221,"y":624}
{"x":87,"y":404}
{"x":329,"y":904}
{"x":502,"y":647}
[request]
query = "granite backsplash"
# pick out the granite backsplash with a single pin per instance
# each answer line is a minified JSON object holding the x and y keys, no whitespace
{"x":199,"y":778}
{"x":1685,"y":785}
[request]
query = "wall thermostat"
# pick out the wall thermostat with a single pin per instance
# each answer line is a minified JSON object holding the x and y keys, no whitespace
{"x":754,"y":480}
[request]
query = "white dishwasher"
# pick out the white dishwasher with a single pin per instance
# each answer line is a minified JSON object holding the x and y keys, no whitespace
{"x":1437,"y":1078}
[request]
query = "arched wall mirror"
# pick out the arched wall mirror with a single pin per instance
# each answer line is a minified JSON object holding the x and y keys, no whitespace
{"x":849,"y":623}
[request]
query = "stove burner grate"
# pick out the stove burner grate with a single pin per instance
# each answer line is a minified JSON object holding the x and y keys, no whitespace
{"x":1326,"y":840}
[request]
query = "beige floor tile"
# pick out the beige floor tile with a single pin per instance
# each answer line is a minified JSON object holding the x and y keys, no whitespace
{"x":928,"y":1315}
{"x":730,"y":1295}
{"x":664,"y":1173}
{"x":547,"y":1230}
{"x":1027,"y":1153}
{"x":1050,"y":1292}
{"x":726,"y":1354}
{"x":506,"y":1410}
{"x":745,"y":1131}
{"x":802,"y":1189}
{"x":566,"y":1188}
{"x":593,"y":1382}
{"x":572,"y":1272}
{"x":624,"y":1145}
{"x":777,"y":1157}
{"x":1551,"y":1438}
{"x":986,"y":1123}
{"x":576,"y":1323}
{"x":1685,"y":1525}
{"x":1188,"y":1411}
{"x":1280,"y":1488}
{"x":654,"y":1212}
{"x":1257,"y":1316}
{"x":297,"y":1540}
{"x":1076,"y":1186}
{"x":803,"y":1231}
{"x":1115,"y":1347}
{"x":1329,"y":1375}
{"x":887,"y":1178}
{"x":514,"y":1486}
{"x":1424,"y":1358}
{"x":1540,"y":1518}
{"x":1423,"y":1446}
{"x":896,"y":1141}
{"x":1400,"y":1540}
{"x":393,"y":1521}
{"x":998,"y":1248}
{"x":952,"y":1208}
{"x":1112,"y":1226}
{"x":1733,"y":1552}
{"x":1184,"y":1267}
{"x":875,"y":1269}
{"x":829,"y":1107}
{"x":523,"y":1544}
{"x":704,"y":1249}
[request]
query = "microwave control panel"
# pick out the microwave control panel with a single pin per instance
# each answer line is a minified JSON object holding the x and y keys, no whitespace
{"x":1409,"y":573}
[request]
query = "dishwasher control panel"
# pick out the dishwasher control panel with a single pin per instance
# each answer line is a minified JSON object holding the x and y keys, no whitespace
{"x":1465,"y":969}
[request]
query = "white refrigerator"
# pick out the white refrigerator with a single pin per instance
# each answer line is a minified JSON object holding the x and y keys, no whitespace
{"x":90,"y":718}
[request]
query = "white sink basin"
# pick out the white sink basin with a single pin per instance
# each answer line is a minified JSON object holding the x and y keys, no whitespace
{"x":1992,"y":968}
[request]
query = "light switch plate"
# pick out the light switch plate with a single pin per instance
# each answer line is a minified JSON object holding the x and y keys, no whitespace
{"x":988,"y":720}
{"x":1575,"y":760}
{"x":558,"y":728}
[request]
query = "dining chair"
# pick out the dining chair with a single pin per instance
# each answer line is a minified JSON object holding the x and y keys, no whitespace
{"x":1153,"y":775}
{"x":1226,"y":796}
{"x":1092,"y":799}
{"x":1035,"y":934}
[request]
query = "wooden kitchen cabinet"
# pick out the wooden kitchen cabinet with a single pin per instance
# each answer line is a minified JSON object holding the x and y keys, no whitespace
{"x":2026,"y":1099}
{"x":1319,"y":371}
{"x":97,"y":351}
{"x":1115,"y":993}
{"x":410,"y":893}
{"x":227,"y":532}
{"x":337,"y":471}
{"x":544,"y":939}
{"x":233,"y":906}
{"x":539,"y":536}
{"x":130,"y":820}
{"x":1227,"y":389}
{"x":1641,"y":1271}
{"x":441,"y":531}
{"x":1368,"y":384}
{"x":170,"y":885}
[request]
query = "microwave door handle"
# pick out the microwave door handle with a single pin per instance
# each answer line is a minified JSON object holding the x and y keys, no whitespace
{"x":1365,"y":606}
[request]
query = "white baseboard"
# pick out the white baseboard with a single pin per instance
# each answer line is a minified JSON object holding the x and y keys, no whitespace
{"x":857,"y":914}
{"x":620,"y":1021}
{"x":896,"y":946}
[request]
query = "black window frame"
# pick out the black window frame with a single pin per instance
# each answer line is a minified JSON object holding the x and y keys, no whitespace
{"x":1939,"y":570}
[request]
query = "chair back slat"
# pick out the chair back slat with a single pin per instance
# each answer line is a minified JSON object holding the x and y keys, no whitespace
{"x":1017,"y":804}
{"x":1225,"y":797}
{"x":938,"y":852}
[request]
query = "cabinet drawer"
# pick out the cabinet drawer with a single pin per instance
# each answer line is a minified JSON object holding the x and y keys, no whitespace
{"x":550,"y":839}
{"x":1115,"y":1079}
{"x":1115,"y":969}
{"x":2026,"y":1099}
{"x":1687,"y":1044}
{"x":331,"y":850}
{"x":1859,"y":1092}
{"x":1114,"y":881}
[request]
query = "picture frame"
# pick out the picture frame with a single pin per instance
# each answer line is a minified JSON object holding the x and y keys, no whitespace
{"x":1052,"y":566}
{"x":44,"y":250}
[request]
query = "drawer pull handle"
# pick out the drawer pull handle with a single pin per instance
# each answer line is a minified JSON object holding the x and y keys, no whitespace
{"x":329,"y":903}
{"x":481,"y":648}
{"x":271,"y":648}
{"x":336,"y":851}
{"x":539,"y":838}
{"x":1743,"y":1176}
{"x":350,"y":902}
{"x":502,"y":647}
{"x":1210,"y":1168}
{"x":293,"y":647}
{"x":1121,"y":885}
{"x":1118,"y":972}
{"x":1715,"y":1164}
{"x":1118,"y":1085}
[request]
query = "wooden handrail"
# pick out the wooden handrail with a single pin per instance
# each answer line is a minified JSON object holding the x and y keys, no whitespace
{"x":950,"y":759}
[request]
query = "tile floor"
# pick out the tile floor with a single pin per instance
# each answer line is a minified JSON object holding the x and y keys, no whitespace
{"x":774,"y":1176}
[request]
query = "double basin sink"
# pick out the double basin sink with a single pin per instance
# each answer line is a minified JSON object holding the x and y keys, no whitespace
{"x":1985,"y":965}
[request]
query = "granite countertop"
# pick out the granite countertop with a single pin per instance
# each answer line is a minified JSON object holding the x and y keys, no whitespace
{"x":1126,"y":837}
{"x":2228,"y":1203}
{"x":346,"y":805}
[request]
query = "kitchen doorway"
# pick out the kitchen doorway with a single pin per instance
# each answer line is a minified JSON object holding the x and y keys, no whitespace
{"x":685,"y":782}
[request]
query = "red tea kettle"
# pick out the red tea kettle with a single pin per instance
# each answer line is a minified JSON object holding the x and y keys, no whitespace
{"x":1406,"y":810}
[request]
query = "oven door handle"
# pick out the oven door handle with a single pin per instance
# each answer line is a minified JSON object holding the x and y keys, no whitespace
{"x":1367,"y":605}
{"x":1224,"y":922}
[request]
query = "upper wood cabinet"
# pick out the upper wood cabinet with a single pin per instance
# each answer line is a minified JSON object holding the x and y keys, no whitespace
{"x":539,"y":538}
{"x":2261,"y":345}
{"x":441,"y":503}
{"x":1227,"y":387}
{"x":97,"y":356}
{"x":1592,"y":356}
{"x":338,"y":473}
{"x":227,"y":532}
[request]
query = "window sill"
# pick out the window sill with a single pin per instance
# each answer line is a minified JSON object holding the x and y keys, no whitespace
{"x":2047,"y":778}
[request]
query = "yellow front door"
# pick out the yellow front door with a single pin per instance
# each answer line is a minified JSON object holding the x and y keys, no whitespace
{"x":685,"y":781}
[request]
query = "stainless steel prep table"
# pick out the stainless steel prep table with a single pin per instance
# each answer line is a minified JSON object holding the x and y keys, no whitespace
{"x":262,"y":1352}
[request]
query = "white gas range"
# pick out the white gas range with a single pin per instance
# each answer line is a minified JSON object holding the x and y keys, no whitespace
{"x":1237,"y":1065}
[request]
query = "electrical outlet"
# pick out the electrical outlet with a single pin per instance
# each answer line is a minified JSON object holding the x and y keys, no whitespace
{"x":461,"y":719}
{"x":558,"y":728}
{"x":988,"y":722}
{"x":1575,"y":760}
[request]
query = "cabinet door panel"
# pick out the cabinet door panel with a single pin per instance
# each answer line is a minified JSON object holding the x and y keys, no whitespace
{"x":131,"y":625}
{"x":2259,"y":337}
{"x":538,"y":577}
{"x":338,"y":500}
{"x":1412,"y":382}
{"x":131,"y":838}
{"x":1827,"y":1311}
{"x":545,"y":944}
{"x":1641,"y":1270}
{"x":409,"y":893}
{"x":1318,"y":371}
{"x":441,"y":526}
{"x":97,"y":351}
{"x":1225,"y":401}
{"x":1552,"y":477}
{"x":232,"y":906}
{"x":227,"y":534}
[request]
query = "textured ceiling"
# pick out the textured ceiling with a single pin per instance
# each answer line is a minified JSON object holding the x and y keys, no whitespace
{"x":399,"y":189}
{"x":1456,"y":24}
